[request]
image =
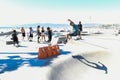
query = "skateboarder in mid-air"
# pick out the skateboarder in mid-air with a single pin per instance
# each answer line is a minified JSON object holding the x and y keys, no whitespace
{"x":75,"y":31}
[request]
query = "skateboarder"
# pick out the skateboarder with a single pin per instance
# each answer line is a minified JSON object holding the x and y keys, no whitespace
{"x":75,"y":31}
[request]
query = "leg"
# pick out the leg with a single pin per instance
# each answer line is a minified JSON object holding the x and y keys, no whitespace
{"x":80,"y":34}
{"x":38,"y":39}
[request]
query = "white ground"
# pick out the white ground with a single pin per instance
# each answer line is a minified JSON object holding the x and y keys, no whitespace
{"x":22,"y":63}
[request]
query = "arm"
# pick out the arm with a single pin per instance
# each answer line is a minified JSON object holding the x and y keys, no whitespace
{"x":70,"y":20}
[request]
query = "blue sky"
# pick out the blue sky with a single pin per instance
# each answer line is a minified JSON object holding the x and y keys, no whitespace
{"x":58,"y":11}
{"x":68,"y":4}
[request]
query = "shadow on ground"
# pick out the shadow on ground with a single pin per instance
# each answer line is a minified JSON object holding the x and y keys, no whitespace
{"x":99,"y":66}
{"x":14,"y":62}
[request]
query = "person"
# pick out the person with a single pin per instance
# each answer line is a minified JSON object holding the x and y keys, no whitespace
{"x":30,"y":34}
{"x":15,"y":38}
{"x":43,"y":34}
{"x":75,"y":31}
{"x":38,"y":33}
{"x":80,"y":29}
{"x":23,"y":32}
{"x":49,"y":32}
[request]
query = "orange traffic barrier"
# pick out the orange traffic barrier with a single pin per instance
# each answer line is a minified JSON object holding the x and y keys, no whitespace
{"x":48,"y":51}
{"x":57,"y":49}
{"x":54,"y":51}
{"x":42,"y":54}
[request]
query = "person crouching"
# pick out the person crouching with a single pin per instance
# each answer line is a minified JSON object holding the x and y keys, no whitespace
{"x":15,"y":38}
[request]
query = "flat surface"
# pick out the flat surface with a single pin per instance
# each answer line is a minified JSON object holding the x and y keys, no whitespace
{"x":96,"y":57}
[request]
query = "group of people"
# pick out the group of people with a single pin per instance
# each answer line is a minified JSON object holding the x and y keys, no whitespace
{"x":77,"y":29}
{"x":40,"y":34}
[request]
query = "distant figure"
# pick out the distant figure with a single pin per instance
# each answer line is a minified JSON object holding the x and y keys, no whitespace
{"x":23,"y":32}
{"x":15,"y":38}
{"x":30,"y":38}
{"x":38,"y":34}
{"x":80,"y":29}
{"x":43,"y":34}
{"x":75,"y":31}
{"x":49,"y":32}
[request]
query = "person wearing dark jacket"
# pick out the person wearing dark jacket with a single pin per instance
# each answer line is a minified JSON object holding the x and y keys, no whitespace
{"x":49,"y":32}
{"x":80,"y":29}
{"x":15,"y":38}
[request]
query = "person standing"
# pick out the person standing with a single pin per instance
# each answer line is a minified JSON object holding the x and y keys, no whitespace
{"x":49,"y":32}
{"x":23,"y":32}
{"x":30,"y":38}
{"x":43,"y":34}
{"x":80,"y":29}
{"x":38,"y":34}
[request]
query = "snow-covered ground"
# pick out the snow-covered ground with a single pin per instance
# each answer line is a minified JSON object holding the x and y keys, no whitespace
{"x":96,"y":57}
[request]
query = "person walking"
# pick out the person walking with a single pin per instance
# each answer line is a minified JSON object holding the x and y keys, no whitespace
{"x":23,"y":32}
{"x":43,"y":34}
{"x":38,"y":34}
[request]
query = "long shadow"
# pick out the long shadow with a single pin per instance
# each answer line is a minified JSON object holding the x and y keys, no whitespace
{"x":14,"y":62}
{"x":10,"y":64}
{"x":62,"y":52}
{"x":30,"y":53}
{"x":99,"y":66}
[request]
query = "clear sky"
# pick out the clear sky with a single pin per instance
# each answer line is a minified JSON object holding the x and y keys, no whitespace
{"x":58,"y":11}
